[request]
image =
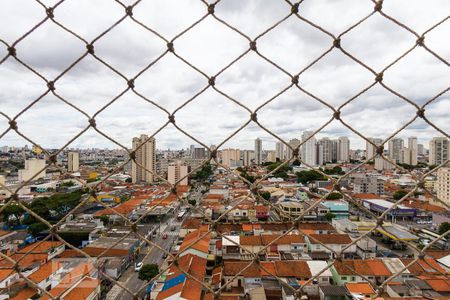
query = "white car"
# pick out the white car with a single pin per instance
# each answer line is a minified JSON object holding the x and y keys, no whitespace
{"x":138,"y":266}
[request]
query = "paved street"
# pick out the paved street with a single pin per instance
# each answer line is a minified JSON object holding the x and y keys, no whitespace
{"x":153,"y":255}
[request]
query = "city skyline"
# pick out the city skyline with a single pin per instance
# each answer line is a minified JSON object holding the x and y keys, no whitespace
{"x":251,"y":81}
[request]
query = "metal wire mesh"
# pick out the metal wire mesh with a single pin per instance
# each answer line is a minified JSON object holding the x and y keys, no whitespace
{"x":254,"y":194}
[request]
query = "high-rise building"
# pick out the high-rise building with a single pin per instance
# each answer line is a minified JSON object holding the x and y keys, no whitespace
{"x":324,"y":151}
{"x":309,"y":155}
{"x":32,"y":167}
{"x":279,"y":149}
{"x":408,"y":156}
{"x":412,"y":143}
{"x":258,"y":151}
{"x":420,"y":149}
{"x":247,"y":157}
{"x":443,"y":185}
{"x":294,"y":143}
{"x":371,"y":150}
{"x":382,"y":164}
{"x":145,"y":159}
{"x":73,"y":162}
{"x":438,"y":150}
{"x":334,"y":150}
{"x":343,"y":150}
{"x":395,"y":146}
{"x":199,"y":153}
{"x":271,"y":156}
{"x":177,"y":171}
{"x":231,"y":157}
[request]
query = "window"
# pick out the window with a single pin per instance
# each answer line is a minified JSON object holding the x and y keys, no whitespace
{"x":344,"y":277}
{"x":353,"y":278}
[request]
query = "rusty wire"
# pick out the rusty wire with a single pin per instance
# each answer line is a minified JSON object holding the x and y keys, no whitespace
{"x":293,"y":11}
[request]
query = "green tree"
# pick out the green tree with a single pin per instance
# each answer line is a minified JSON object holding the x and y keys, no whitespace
{"x":148,"y":272}
{"x":265,"y":195}
{"x":14,"y":211}
{"x":399,"y":194}
{"x":104,"y":219}
{"x":334,"y":196}
{"x":444,"y":227}
{"x":329,"y":216}
{"x":310,"y":175}
{"x":128,"y":180}
{"x":192,"y":202}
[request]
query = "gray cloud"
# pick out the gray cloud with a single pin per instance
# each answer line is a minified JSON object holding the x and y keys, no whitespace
{"x":210,"y":46}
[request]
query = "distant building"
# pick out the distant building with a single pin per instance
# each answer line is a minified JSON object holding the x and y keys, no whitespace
{"x":324,"y":151}
{"x":408,"y":156}
{"x":395,"y":147}
{"x":343,"y":150}
{"x":247,"y":157}
{"x":32,"y":167}
{"x":145,"y":159}
{"x":73,"y":162}
{"x":176,"y":171}
{"x":199,"y":153}
{"x":294,"y":143}
{"x":420,"y":149}
{"x":442,"y":185}
{"x":271,"y":156}
{"x":368,"y":185}
{"x":231,"y":157}
{"x":258,"y":151}
{"x":412,"y":143}
{"x":382,"y":164}
{"x":438,"y":150}
{"x":308,"y":153}
{"x":370,"y":149}
{"x":279,"y":149}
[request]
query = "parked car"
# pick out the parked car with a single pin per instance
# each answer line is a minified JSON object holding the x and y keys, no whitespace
{"x":138,"y":266}
{"x":164,"y":236}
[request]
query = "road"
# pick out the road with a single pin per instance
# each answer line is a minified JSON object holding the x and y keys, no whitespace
{"x":153,"y":255}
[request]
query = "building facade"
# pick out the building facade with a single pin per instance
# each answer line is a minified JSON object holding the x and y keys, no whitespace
{"x":442,"y":185}
{"x":258,"y":151}
{"x":438,"y":150}
{"x":177,"y":171}
{"x":145,"y":159}
{"x":73,"y":162}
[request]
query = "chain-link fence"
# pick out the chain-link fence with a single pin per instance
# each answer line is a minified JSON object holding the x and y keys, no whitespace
{"x":176,"y":262}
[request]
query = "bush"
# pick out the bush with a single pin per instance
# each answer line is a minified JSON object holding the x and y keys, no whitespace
{"x":334,"y":196}
{"x":444,"y":227}
{"x":148,"y":272}
{"x":399,"y":194}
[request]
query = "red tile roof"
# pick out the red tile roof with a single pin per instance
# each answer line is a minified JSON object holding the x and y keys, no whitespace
{"x":342,"y":239}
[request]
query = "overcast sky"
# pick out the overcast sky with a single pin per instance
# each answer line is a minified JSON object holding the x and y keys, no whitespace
{"x":210,"y":46}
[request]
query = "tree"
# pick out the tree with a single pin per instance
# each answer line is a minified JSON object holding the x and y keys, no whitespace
{"x":329,"y":216}
{"x":265,"y":195}
{"x":444,"y":227}
{"x":192,"y":202}
{"x":148,"y":272}
{"x":128,"y":180}
{"x":306,"y":176}
{"x":399,"y":194}
{"x":334,"y":196}
{"x":104,"y":219}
